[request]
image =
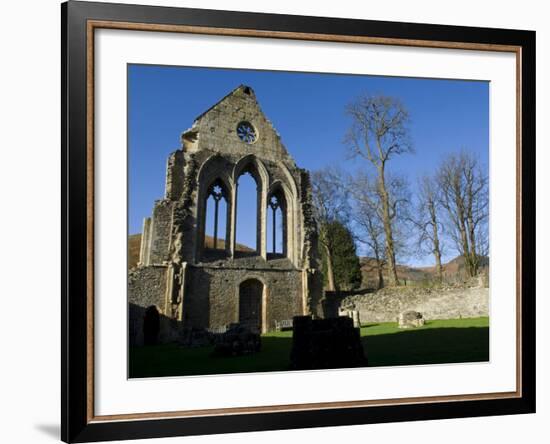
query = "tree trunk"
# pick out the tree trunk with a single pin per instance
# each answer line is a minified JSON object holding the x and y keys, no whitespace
{"x":464,"y":236}
{"x":330,"y":270}
{"x":436,"y":246}
{"x":386,"y":220}
{"x":438,"y":266}
{"x":380,"y":275}
{"x":474,"y":260}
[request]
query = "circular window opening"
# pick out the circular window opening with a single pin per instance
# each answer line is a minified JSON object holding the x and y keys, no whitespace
{"x":246,"y":132}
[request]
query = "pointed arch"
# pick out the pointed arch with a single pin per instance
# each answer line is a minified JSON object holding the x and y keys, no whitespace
{"x":294,"y":235}
{"x":250,"y":164}
{"x":290,"y":182}
{"x":259,"y":282}
{"x":214,"y":181}
{"x":215,"y":166}
{"x":284,"y":199}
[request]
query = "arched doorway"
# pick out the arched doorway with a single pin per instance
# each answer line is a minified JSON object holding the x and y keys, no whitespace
{"x":151,"y":325}
{"x":250,"y":304}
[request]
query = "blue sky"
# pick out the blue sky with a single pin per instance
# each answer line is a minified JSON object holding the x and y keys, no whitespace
{"x":307,"y":110}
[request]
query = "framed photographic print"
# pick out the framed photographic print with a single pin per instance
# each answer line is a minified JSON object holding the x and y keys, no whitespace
{"x":276,"y":221}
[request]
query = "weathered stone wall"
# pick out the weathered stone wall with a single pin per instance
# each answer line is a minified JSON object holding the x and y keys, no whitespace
{"x":146,"y":287}
{"x":217,"y":127}
{"x":161,"y":230}
{"x":448,"y":303}
{"x":207,"y":294}
{"x":174,"y":175}
{"x":169,"y":330}
{"x":212,"y":295}
{"x":184,"y":216}
{"x":284,"y":297}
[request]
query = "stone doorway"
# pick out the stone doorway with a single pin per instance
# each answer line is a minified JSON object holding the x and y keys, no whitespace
{"x":250,"y":304}
{"x":151,"y":325}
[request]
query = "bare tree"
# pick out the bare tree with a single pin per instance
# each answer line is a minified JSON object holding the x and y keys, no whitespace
{"x":378,"y":133}
{"x":331,"y":205}
{"x":463,"y":186}
{"x":366,"y":217}
{"x":400,"y":203}
{"x":427,"y":221}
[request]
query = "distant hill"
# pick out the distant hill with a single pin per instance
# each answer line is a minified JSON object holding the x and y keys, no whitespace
{"x":404,"y":273}
{"x":454,"y":266}
{"x":134,"y":246}
{"x":453,"y":271}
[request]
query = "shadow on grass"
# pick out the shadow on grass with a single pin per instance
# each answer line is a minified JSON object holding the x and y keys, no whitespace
{"x":402,"y":347}
{"x":174,"y":360}
{"x":428,"y":346}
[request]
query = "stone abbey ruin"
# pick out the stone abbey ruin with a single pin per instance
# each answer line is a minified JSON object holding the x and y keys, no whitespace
{"x":184,"y":279}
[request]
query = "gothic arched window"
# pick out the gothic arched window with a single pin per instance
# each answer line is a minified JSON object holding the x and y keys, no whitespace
{"x":216,"y":217}
{"x":276,"y":224}
{"x":247,"y":213}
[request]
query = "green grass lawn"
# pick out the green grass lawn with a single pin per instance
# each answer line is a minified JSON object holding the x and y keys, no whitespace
{"x":438,"y":342}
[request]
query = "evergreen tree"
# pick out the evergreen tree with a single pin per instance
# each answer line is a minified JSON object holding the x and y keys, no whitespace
{"x":345,"y":262}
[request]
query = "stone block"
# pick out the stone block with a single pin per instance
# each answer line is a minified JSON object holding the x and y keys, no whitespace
{"x":409,"y":319}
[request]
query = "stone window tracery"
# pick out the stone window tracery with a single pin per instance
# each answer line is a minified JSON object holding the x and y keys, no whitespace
{"x":246,"y":132}
{"x":216,"y":200}
{"x":278,"y":224}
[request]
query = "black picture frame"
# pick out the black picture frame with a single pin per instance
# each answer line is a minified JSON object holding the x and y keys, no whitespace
{"x":77,"y":425}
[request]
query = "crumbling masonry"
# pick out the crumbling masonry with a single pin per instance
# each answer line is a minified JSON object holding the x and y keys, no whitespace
{"x":195,"y":284}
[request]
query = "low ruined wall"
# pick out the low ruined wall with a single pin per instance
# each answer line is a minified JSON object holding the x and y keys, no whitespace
{"x":447,"y":303}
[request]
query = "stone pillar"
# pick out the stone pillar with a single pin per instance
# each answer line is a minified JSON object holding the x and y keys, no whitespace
{"x":202,"y":198}
{"x":233,"y":229}
{"x":181,"y":295}
{"x":265,"y":297}
{"x":259,"y":230}
{"x":145,"y":246}
{"x":174,"y":175}
{"x":217,"y":198}
{"x":262,"y":220}
{"x":170,"y":286}
{"x":284,"y":233}
{"x":228,"y":218}
{"x":175,"y":290}
{"x":305,"y":292}
{"x":293,"y":224}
